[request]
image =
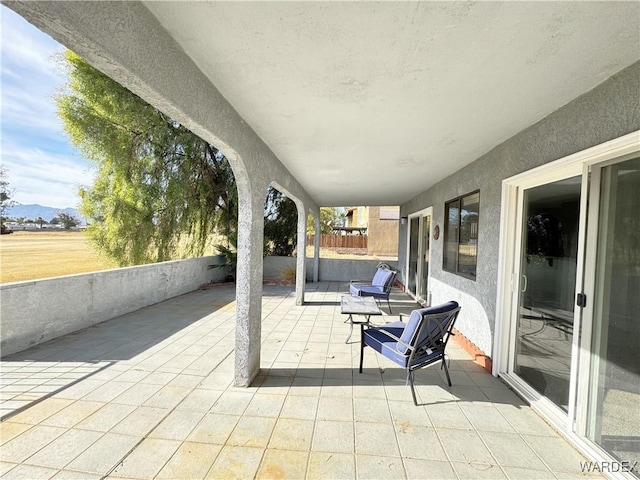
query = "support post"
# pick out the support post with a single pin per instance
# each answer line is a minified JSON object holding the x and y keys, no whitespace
{"x":316,"y":250}
{"x":301,"y":274}
{"x":249,"y":285}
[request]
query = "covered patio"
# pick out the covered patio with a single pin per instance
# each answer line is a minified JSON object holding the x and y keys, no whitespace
{"x":425,"y":105}
{"x":150,"y":395}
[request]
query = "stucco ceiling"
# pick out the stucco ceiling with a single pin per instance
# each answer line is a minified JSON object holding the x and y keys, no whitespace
{"x":372,"y":103}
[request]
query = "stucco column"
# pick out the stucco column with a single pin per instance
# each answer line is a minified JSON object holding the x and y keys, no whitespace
{"x":316,"y":250}
{"x":301,"y":271}
{"x":249,"y":285}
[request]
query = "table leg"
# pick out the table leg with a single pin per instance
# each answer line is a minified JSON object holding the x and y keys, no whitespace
{"x":350,"y":320}
{"x":362,"y":324}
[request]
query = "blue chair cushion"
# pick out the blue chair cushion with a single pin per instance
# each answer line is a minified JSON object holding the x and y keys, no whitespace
{"x":379,"y":288}
{"x":383,"y":278}
{"x":377,"y":339}
{"x":367,"y":291}
{"x":388,"y":347}
{"x":411,"y":328}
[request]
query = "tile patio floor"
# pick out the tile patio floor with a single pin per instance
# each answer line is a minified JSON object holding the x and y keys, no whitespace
{"x":150,"y":395}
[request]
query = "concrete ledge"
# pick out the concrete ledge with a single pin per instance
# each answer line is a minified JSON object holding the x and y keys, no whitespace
{"x":274,"y":266}
{"x":36,"y":311}
{"x":40,"y":310}
{"x":330,"y":269}
{"x":343,"y":270}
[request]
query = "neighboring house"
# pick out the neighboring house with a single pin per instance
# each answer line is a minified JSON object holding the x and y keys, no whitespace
{"x":381,"y":224}
{"x":356,"y":217}
{"x":383,"y":231}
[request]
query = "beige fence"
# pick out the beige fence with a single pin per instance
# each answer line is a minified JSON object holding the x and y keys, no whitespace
{"x":339,"y":241}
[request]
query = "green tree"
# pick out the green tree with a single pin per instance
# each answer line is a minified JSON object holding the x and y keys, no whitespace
{"x":67,"y":220}
{"x":160,"y":191}
{"x":40,"y":221}
{"x":280,"y":224}
{"x":329,"y":217}
{"x":6,"y":197}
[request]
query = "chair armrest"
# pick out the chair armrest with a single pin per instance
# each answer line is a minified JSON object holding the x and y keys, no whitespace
{"x":361,"y":282}
{"x":381,"y":327}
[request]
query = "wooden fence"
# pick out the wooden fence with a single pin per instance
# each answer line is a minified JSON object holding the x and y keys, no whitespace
{"x":339,"y":241}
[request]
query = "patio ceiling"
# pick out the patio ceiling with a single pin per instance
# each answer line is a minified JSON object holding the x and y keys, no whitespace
{"x":372,"y":103}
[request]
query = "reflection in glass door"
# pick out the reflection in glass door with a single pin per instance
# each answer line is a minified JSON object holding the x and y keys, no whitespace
{"x":548,"y":262}
{"x":414,"y":237}
{"x":423,"y":285}
{"x":418,"y":257}
{"x":613,"y":412}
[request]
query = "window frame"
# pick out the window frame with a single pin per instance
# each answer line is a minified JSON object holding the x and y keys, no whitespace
{"x":447,"y":232}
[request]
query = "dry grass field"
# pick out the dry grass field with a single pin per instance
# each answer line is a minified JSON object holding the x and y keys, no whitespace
{"x":31,"y":255}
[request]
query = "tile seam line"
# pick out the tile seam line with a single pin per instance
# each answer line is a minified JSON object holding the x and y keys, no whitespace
{"x":477,"y":432}
{"x":146,"y":436}
{"x":51,"y":394}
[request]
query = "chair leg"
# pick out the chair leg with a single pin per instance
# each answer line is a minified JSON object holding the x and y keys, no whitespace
{"x":389,"y":305}
{"x":446,"y":370}
{"x":413,"y":391}
{"x":361,"y":351}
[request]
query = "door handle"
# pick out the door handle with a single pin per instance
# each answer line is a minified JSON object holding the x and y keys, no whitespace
{"x":581,"y":300}
{"x":525,"y":283}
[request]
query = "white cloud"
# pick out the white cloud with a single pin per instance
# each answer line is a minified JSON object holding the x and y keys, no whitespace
{"x":45,"y":178}
{"x":30,"y":109}
{"x":30,"y":75}
{"x":42,"y":167}
{"x":26,"y":46}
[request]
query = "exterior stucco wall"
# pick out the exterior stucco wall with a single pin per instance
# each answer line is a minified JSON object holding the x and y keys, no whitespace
{"x":40,"y":310}
{"x":382,"y":234}
{"x":609,"y":111}
{"x":275,"y":266}
{"x":342,"y":270}
{"x":330,"y":269}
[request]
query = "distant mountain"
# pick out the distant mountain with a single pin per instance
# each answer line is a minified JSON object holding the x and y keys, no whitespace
{"x":32,"y":212}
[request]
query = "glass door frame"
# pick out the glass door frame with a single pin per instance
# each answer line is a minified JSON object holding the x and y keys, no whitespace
{"x":427,"y":212}
{"x":586,"y":163}
{"x":536,"y":179}
{"x":587,"y":358}
{"x":574,"y":172}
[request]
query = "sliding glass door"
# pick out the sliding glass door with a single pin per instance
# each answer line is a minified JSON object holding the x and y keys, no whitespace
{"x":414,"y":241}
{"x":548,"y":261}
{"x":423,"y":284}
{"x":419,"y":256}
{"x":571,"y":297}
{"x":613,"y":417}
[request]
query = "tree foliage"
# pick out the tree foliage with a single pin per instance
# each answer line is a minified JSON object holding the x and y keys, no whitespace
{"x":67,"y":220}
{"x":160,"y":191}
{"x":329,"y":217}
{"x":6,"y":196}
{"x":280,"y":224}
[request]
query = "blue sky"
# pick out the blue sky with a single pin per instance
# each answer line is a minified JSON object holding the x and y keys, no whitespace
{"x":42,"y":166}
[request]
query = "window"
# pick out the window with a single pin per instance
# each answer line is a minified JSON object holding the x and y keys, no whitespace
{"x":461,"y":235}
